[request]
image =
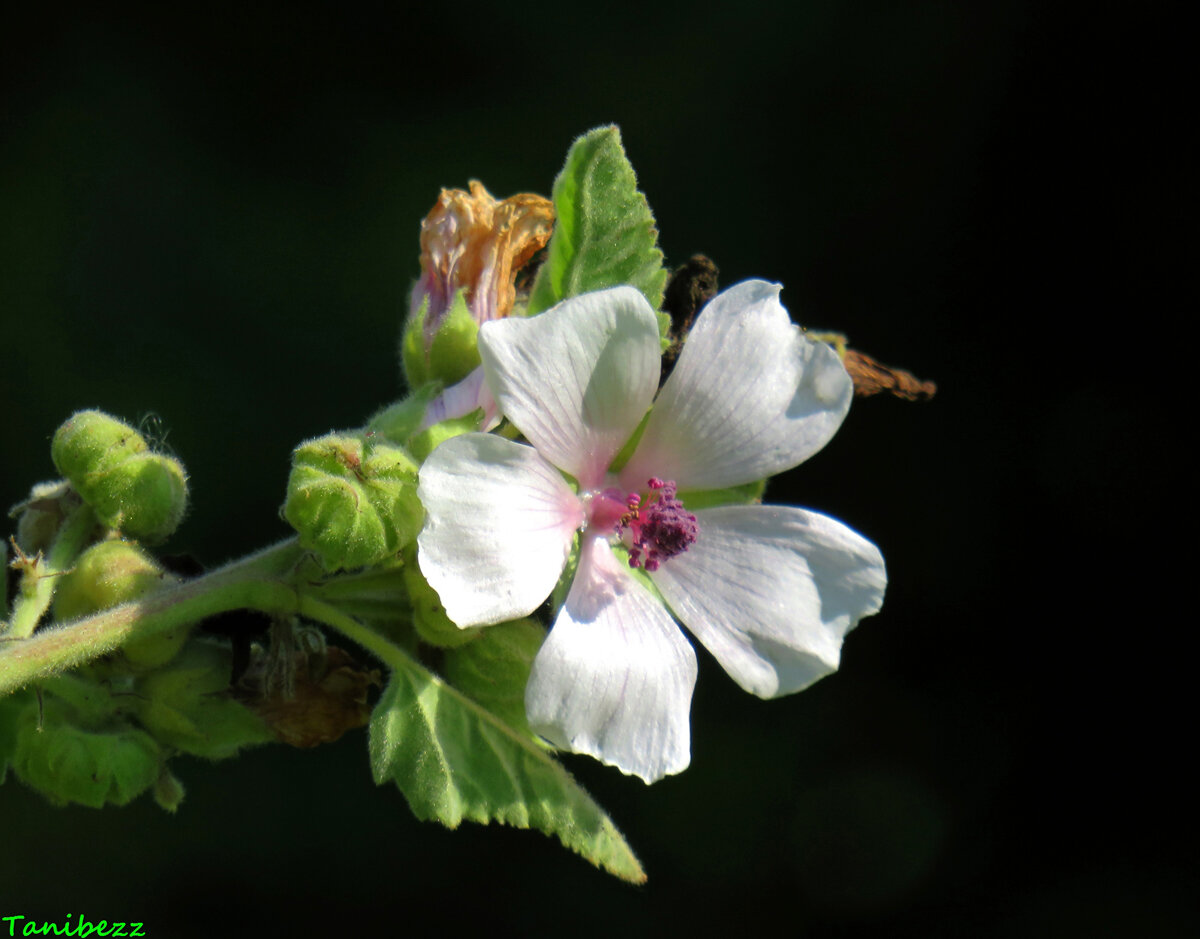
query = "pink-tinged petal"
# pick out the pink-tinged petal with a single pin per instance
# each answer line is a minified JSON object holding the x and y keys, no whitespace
{"x":577,"y":379}
{"x":470,"y":394}
{"x":614,"y":678}
{"x":499,"y":524}
{"x":772,"y":590}
{"x":750,"y":397}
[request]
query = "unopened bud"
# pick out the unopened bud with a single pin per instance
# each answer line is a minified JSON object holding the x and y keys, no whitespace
{"x":106,"y":574}
{"x":113,"y":572}
{"x":353,"y":502}
{"x":129,"y":487}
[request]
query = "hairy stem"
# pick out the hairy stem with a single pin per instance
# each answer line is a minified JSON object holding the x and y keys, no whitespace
{"x":253,"y":582}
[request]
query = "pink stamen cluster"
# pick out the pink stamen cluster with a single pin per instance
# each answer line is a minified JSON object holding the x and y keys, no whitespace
{"x":661,"y":527}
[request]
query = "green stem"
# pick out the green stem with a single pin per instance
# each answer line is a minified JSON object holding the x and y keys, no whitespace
{"x":60,"y":647}
{"x":351,"y":628}
{"x":276,"y":561}
{"x":260,"y":581}
{"x":30,"y":604}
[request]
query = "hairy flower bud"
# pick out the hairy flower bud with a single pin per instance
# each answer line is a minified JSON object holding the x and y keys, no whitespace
{"x":495,"y":669}
{"x":352,"y":500}
{"x":113,"y":572}
{"x":111,"y":466}
{"x":106,"y":574}
{"x":472,"y":247}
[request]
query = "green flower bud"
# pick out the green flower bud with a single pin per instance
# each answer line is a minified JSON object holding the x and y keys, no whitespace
{"x":113,"y":572}
{"x":168,"y":791}
{"x":106,"y":574}
{"x":67,"y":763}
{"x":142,"y":493}
{"x":353,"y":503}
{"x":494,"y":669}
{"x":187,"y":705}
{"x":41,"y":515}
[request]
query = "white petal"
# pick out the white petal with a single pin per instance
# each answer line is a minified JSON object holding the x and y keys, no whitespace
{"x":461,"y":399}
{"x":750,"y":397}
{"x":614,"y":678}
{"x":499,"y":524}
{"x":772,"y":590}
{"x":577,"y":379}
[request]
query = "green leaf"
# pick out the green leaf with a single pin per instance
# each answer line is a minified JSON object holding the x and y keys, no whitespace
{"x":494,"y":669}
{"x":454,"y":760}
{"x":604,"y":234}
{"x":94,"y":768}
{"x":11,"y":707}
{"x":187,"y":706}
{"x":744,"y":494}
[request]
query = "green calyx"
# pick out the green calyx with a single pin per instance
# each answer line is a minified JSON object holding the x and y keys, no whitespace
{"x":353,"y":500}
{"x":428,"y":615}
{"x":110,"y":465}
{"x":399,"y":421}
{"x":450,"y":355}
{"x":424,"y":442}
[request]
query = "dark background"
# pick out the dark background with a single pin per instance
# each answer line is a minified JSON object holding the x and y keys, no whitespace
{"x":215,"y":219}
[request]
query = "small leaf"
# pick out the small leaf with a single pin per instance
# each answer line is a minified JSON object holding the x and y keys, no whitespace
{"x":454,"y":760}
{"x":605,"y":234}
{"x":94,"y":768}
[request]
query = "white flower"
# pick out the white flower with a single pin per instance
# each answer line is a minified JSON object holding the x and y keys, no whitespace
{"x":769,"y":590}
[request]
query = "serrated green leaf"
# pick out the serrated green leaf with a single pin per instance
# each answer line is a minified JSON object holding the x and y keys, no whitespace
{"x":454,"y":760}
{"x":604,"y":234}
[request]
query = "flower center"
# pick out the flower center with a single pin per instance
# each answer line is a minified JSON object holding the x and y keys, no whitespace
{"x":659,"y":526}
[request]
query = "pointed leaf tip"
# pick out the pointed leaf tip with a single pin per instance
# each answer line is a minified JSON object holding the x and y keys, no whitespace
{"x":454,"y":760}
